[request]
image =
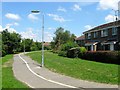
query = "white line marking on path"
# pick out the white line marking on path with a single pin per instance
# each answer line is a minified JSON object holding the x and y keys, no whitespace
{"x":45,"y":78}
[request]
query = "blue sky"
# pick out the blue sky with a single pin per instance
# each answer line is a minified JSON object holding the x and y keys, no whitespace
{"x":73,"y":16}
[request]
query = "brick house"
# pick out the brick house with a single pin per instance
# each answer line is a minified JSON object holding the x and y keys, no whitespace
{"x":80,"y":41}
{"x":103,"y":37}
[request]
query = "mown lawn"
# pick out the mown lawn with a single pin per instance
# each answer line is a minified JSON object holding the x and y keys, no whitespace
{"x":0,"y":73}
{"x":77,"y":68}
{"x":8,"y":79}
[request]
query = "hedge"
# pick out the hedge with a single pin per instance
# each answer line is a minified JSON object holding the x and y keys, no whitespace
{"x":73,"y":52}
{"x":112,"y":57}
{"x":76,"y":52}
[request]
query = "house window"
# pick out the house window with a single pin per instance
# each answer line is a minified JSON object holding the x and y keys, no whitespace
{"x":89,"y":35}
{"x":104,"y":33}
{"x":114,"y":31}
{"x":95,"y":34}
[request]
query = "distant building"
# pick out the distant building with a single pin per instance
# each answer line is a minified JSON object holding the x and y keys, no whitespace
{"x":103,"y":37}
{"x":47,"y":44}
{"x":80,"y":40}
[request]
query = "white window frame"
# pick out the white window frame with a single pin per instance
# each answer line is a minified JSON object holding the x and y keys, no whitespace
{"x":114,"y":31}
{"x":89,"y":35}
{"x":104,"y":33}
{"x":101,"y":33}
{"x":95,"y":34}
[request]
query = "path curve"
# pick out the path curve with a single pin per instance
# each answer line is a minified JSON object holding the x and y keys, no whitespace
{"x":30,"y":72}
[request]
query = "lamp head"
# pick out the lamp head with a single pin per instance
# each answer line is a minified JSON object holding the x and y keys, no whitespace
{"x":35,"y":11}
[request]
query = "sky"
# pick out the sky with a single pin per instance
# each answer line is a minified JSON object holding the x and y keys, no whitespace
{"x":76,"y":17}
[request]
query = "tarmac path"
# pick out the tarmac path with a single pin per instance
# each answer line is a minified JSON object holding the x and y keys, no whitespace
{"x":30,"y":72}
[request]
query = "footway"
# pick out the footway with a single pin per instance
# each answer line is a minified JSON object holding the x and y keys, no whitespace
{"x":30,"y":72}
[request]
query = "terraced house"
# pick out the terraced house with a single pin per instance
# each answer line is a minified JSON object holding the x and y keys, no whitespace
{"x":103,"y":37}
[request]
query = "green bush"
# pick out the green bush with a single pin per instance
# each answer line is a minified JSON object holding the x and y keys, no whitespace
{"x":68,"y":45}
{"x":47,"y":47}
{"x":118,"y":55}
{"x":73,"y":52}
{"x":83,"y":50}
{"x":3,"y":53}
{"x":34,"y":48}
{"x":103,"y":56}
{"x":55,"y":51}
{"x":76,"y":52}
{"x":62,"y":53}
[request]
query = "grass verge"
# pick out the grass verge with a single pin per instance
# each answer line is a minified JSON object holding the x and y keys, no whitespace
{"x":0,"y":73}
{"x":8,"y":79}
{"x":78,"y":68}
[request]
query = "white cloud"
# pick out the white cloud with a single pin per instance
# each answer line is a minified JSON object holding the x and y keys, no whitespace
{"x":16,"y":24}
{"x":76,"y":7}
{"x":12,"y":16}
{"x":62,"y":9}
{"x":108,"y":4}
{"x":110,"y":18}
{"x":11,"y":30}
{"x":51,"y":28}
{"x":8,"y":27}
{"x":1,"y":29}
{"x":57,"y":18}
{"x":88,"y":27}
{"x":12,"y":24}
{"x":48,"y":37}
{"x":28,"y":34}
{"x":32,"y":16}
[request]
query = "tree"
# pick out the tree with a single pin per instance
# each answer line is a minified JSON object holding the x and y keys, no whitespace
{"x":61,"y":37}
{"x":34,"y":47}
{"x":10,"y":41}
{"x":15,"y":40}
{"x":58,"y":37}
{"x":28,"y":44}
{"x":39,"y":45}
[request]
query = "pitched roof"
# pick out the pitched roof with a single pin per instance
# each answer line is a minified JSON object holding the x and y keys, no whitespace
{"x":80,"y":38}
{"x":104,"y":26}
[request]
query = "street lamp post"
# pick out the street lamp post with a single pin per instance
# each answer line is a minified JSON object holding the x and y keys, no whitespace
{"x":42,"y":40}
{"x":24,"y":45}
{"x":37,"y":11}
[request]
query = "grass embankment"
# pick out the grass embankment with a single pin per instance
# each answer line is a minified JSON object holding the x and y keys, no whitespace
{"x":8,"y":79}
{"x":77,"y":68}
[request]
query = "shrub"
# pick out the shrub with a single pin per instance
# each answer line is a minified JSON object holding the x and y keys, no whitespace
{"x":76,"y":52}
{"x":118,"y":55}
{"x":103,"y":56}
{"x":65,"y":48}
{"x":68,"y":45}
{"x":62,"y":53}
{"x":73,"y":52}
{"x":83,"y":50}
{"x":47,"y":47}
{"x":55,"y":51}
{"x":3,"y":53}
{"x":34,"y":48}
